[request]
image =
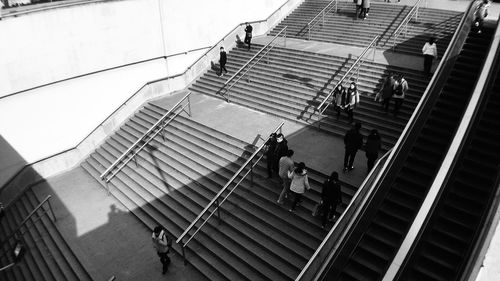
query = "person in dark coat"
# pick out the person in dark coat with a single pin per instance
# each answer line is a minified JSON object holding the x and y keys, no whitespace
{"x":280,"y":150}
{"x":353,"y":141}
{"x":339,"y":99}
{"x":352,"y":100}
{"x":372,"y":148}
{"x":330,"y":197}
{"x":162,"y":243}
{"x":365,"y":9}
{"x":270,"y":148}
{"x":248,"y":34}
{"x":222,"y":61}
{"x":387,"y":91}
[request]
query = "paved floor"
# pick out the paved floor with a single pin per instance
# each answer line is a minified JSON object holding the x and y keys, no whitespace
{"x":107,"y":239}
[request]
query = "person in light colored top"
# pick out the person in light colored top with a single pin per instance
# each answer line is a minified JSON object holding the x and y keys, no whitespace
{"x":286,"y":165}
{"x":299,"y":184}
{"x":430,"y":53}
{"x":162,"y":244}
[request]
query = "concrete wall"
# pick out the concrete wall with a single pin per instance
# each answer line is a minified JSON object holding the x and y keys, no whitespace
{"x":39,"y":123}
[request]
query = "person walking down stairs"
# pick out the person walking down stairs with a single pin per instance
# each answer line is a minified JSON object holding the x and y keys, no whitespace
{"x":352,"y":100}
{"x":353,"y":140}
{"x":280,"y":150}
{"x":162,"y":243}
{"x":359,"y":7}
{"x":222,"y":61}
{"x":299,"y":184}
{"x":430,"y":53}
{"x":386,"y":92}
{"x":340,"y":99}
{"x":365,"y":9}
{"x":330,"y":198}
{"x":270,"y":148}
{"x":286,"y":166}
{"x":248,"y":35}
{"x":399,"y":93}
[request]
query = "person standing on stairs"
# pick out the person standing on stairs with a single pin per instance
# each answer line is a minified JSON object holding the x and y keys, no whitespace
{"x":372,"y":148}
{"x":162,"y":243}
{"x":299,"y":184}
{"x":352,"y":100}
{"x":353,"y":140}
{"x":399,"y":93}
{"x":365,"y":9}
{"x":387,"y":91}
{"x":270,"y":148}
{"x":430,"y":53}
{"x":280,"y":150}
{"x":222,"y":61}
{"x":359,"y":4}
{"x":339,"y":99}
{"x":248,"y":35}
{"x":286,"y":166}
{"x":330,"y":198}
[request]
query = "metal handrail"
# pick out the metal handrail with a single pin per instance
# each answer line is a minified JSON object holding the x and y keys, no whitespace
{"x":141,"y":142}
{"x":230,"y":80}
{"x":404,"y":23}
{"x":345,"y":218}
{"x":215,"y":200}
{"x":23,"y":222}
{"x":312,"y":23}
{"x":348,"y":75}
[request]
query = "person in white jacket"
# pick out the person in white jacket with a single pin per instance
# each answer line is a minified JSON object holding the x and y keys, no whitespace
{"x":430,"y":53}
{"x":299,"y":184}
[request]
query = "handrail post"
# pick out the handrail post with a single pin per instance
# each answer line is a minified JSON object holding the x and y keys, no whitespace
{"x":107,"y":187}
{"x":285,"y":39}
{"x":251,"y":172}
{"x":189,"y":106}
{"x":308,"y":32}
{"x":52,"y":210}
{"x":183,"y":253}
{"x":135,"y":160}
{"x":218,"y":209}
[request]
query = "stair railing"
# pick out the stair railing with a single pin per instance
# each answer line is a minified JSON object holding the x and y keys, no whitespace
{"x":18,"y":232}
{"x":353,"y":70}
{"x":321,"y":16}
{"x":145,"y":139}
{"x":219,"y":198}
{"x":244,"y":70}
{"x":345,"y":221}
{"x":403,"y":26}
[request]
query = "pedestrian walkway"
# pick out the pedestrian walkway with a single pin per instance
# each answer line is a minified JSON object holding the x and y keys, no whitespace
{"x":107,"y":239}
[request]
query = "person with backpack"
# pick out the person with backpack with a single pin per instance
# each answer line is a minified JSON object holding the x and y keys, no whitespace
{"x":162,"y":243}
{"x":299,"y":184}
{"x":480,"y":14}
{"x":399,"y":94}
{"x":248,"y":34}
{"x":352,"y":100}
{"x":353,"y":141}
{"x":330,"y":197}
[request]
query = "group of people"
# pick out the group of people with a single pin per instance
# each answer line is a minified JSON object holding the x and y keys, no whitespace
{"x":354,"y":140}
{"x":346,"y":99}
{"x":394,"y":88}
{"x":362,"y":8}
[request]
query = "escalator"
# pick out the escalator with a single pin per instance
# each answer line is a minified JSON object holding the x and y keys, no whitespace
{"x":448,"y":240}
{"x":377,"y":235}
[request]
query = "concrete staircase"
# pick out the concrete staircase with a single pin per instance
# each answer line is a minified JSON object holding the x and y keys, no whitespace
{"x":379,"y":234}
{"x":47,"y":257}
{"x":294,"y":82}
{"x":344,"y":28}
{"x":257,"y":239}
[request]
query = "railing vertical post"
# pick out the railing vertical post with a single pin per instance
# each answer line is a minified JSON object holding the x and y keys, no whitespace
{"x":189,"y":106}
{"x":107,"y":186}
{"x":183,"y":253}
{"x":52,"y":210}
{"x":308,"y":32}
{"x":323,"y":19}
{"x":161,"y":134}
{"x":218,"y":209}
{"x":251,"y":172}
{"x":135,"y":160}
{"x":285,"y":38}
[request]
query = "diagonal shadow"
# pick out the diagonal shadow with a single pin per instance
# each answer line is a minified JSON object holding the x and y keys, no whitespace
{"x":319,"y":94}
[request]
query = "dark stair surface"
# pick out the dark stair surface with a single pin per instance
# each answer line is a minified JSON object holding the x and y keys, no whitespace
{"x":452,"y":230}
{"x":175,"y":179}
{"x":291,"y":84}
{"x":48,"y":256}
{"x":344,"y":28}
{"x":381,"y":236}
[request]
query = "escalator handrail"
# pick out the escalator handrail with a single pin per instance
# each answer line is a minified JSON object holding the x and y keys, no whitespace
{"x":445,"y":172}
{"x":412,"y":128}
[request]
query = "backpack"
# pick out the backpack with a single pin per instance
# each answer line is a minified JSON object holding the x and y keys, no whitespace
{"x":399,"y":90}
